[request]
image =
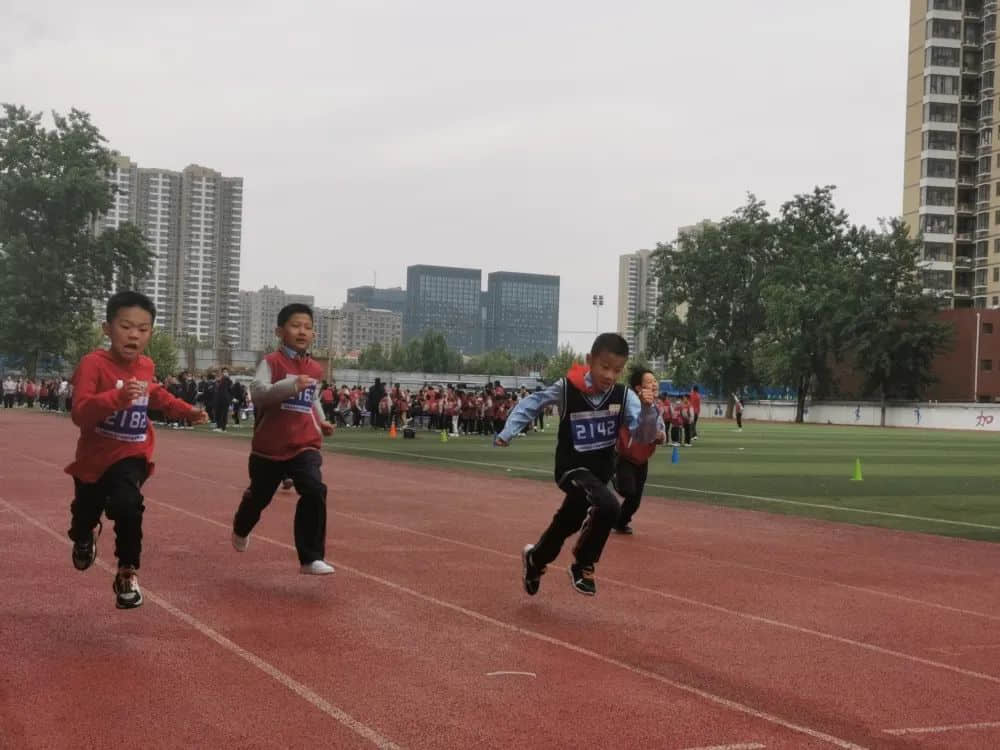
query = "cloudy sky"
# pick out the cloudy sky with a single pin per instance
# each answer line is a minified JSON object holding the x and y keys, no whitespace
{"x":548,"y":136}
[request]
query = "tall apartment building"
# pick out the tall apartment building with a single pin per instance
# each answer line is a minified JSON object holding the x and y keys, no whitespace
{"x":192,"y":221}
{"x":355,"y":327}
{"x":448,"y":301}
{"x":259,"y":316}
{"x":522,"y":313}
{"x":951,"y":194}
{"x":638,"y":297}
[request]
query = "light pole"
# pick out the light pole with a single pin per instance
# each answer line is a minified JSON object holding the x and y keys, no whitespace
{"x":598,"y":304}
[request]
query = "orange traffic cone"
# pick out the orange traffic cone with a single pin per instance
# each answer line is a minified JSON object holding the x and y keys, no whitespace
{"x":392,"y":430}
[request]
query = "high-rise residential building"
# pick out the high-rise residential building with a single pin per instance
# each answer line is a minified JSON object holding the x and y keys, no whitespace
{"x":258,"y":313}
{"x":638,"y":298}
{"x":522,"y":313}
{"x":448,"y":301}
{"x":192,"y":221}
{"x":380,"y":299}
{"x":951,"y":193}
{"x":355,"y":327}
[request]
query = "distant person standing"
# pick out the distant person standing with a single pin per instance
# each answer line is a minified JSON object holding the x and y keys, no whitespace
{"x":9,"y":392}
{"x":223,"y":400}
{"x":738,"y":411}
{"x":375,"y":395}
{"x":695,"y":398}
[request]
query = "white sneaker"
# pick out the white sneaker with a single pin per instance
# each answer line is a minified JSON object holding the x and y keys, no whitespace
{"x":317,"y":568}
{"x":240,"y":543}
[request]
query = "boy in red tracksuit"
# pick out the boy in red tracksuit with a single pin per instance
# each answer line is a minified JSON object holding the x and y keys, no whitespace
{"x":112,"y":391}
{"x":633,"y":457}
{"x":287,"y":440}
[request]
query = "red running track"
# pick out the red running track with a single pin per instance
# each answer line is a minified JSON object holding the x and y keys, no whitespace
{"x":713,"y":627}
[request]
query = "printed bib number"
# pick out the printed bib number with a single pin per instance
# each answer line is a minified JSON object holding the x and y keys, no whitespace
{"x":301,"y":402}
{"x":593,"y":430}
{"x":128,"y":425}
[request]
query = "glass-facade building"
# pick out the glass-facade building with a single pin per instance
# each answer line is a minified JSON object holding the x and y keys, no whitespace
{"x":522,"y":313}
{"x":448,"y":301}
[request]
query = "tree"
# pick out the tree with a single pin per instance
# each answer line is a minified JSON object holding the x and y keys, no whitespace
{"x":807,"y":296}
{"x":895,"y":334}
{"x":533,"y":362}
{"x":373,"y":358}
{"x":560,"y":364}
{"x":53,"y":265}
{"x":162,"y":349}
{"x":492,"y":363}
{"x":86,"y":338}
{"x":710,"y":313}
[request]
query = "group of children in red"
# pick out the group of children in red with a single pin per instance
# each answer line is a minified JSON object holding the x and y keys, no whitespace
{"x":114,"y":390}
{"x":606,"y":430}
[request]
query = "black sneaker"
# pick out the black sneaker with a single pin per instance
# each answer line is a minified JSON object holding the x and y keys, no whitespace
{"x":126,"y":588}
{"x":625,"y":529}
{"x":582,"y":578}
{"x":532,"y":573}
{"x":85,"y":552}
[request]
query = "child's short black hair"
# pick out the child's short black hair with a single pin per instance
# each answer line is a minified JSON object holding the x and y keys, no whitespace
{"x":610,"y":343}
{"x":129,"y":299}
{"x":638,"y":373}
{"x":289,"y":310}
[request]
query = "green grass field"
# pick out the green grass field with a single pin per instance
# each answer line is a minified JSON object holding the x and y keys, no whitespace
{"x":942,"y":482}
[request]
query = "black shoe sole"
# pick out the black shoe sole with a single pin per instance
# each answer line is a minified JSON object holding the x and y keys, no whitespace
{"x":577,"y":589}
{"x":529,"y":589}
{"x":119,"y":604}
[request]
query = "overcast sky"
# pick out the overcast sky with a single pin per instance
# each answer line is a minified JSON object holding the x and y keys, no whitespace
{"x":546,"y":136}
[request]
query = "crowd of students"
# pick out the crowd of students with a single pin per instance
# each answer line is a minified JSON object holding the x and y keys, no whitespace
{"x":55,"y":394}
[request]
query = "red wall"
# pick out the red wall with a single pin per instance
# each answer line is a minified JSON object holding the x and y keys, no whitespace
{"x":955,"y":370}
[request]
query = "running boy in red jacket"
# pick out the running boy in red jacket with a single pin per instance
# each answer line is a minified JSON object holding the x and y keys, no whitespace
{"x":287,"y":440}
{"x":112,"y":391}
{"x":633,"y":456}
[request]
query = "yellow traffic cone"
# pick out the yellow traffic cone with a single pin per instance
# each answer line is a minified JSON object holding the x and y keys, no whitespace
{"x":444,"y":436}
{"x":857,"y":471}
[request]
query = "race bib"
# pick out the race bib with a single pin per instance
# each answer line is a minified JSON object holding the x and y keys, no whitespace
{"x":593,"y":430}
{"x":301,"y":402}
{"x":128,"y":425}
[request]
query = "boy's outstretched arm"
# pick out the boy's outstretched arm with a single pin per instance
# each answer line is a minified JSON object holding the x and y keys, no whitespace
{"x":527,"y":409}
{"x":642,"y":417}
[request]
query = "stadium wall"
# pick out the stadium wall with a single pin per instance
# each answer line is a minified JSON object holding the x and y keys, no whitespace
{"x":930,"y":416}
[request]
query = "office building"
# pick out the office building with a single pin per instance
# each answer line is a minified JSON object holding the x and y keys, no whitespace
{"x":448,"y":301}
{"x":355,"y":327}
{"x":379,"y":299}
{"x":522,"y":315}
{"x":951,"y":193}
{"x":259,"y":316}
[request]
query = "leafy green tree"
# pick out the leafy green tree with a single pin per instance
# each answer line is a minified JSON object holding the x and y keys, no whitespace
{"x":808,"y":297}
{"x":373,"y":358}
{"x":54,"y":266}
{"x":87,"y":337}
{"x":532,"y":362}
{"x":710,"y":313}
{"x":492,"y":363}
{"x":162,"y":349}
{"x":895,"y":334}
{"x":560,"y":364}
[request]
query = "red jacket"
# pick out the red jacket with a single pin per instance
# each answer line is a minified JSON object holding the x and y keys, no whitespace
{"x":112,"y":428}
{"x":633,"y":451}
{"x":288,"y":420}
{"x":695,"y":398}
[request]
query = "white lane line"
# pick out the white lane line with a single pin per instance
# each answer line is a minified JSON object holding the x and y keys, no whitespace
{"x":737,"y":746}
{"x":760,"y":498}
{"x":941,"y":729}
{"x":291,"y":683}
{"x":505,"y":672}
{"x":510,"y":627}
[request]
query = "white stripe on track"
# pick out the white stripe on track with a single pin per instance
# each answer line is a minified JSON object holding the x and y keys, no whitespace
{"x":737,"y":746}
{"x":949,"y":728}
{"x":270,"y":670}
{"x":704,"y":694}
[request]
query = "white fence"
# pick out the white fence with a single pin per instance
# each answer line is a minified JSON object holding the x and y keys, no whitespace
{"x":931,"y":416}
